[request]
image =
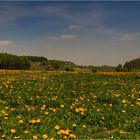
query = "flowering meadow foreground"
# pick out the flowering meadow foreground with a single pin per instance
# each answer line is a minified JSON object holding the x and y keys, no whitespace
{"x":64,"y":105}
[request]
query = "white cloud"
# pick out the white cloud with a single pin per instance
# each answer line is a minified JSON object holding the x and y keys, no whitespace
{"x":75,"y":27}
{"x":5,"y":43}
{"x":53,"y":38}
{"x":69,"y":36}
{"x":128,"y":36}
{"x":63,"y":37}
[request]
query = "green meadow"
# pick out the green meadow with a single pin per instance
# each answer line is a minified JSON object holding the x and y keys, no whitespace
{"x":69,"y":105}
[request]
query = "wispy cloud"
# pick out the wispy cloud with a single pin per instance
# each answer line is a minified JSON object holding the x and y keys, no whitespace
{"x":75,"y":27}
{"x":69,"y":36}
{"x":53,"y":38}
{"x":5,"y":43}
{"x":128,"y":36}
{"x":63,"y":37}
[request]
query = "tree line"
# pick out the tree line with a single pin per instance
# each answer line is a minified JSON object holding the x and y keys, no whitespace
{"x":9,"y":61}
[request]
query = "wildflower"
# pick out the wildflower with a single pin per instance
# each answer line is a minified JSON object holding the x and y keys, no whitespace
{"x":32,"y":121}
{"x":6,"y":118}
{"x":53,"y":109}
{"x":123,"y":101}
{"x":7,"y":107}
{"x":51,"y":138}
{"x":67,"y":132}
{"x":20,"y":121}
{"x":35,"y":137}
{"x":26,"y":132}
{"x":123,"y":111}
{"x":16,"y":137}
{"x":110,"y":105}
{"x":13,"y":131}
{"x":19,"y":117}
{"x":77,"y":110}
{"x":38,"y":120}
{"x":46,"y":113}
{"x":45,"y":136}
{"x":74,"y":125}
{"x":57,"y":127}
{"x":62,"y":106}
{"x":65,"y":137}
{"x":81,"y":109}
{"x":58,"y":132}
{"x":122,"y":132}
{"x":72,"y":136}
{"x":82,"y":113}
{"x":3,"y":136}
{"x":42,"y":108}
{"x":62,"y":131}
{"x":84,"y":126}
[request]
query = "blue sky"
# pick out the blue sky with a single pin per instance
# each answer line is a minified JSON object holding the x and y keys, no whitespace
{"x":87,"y":33}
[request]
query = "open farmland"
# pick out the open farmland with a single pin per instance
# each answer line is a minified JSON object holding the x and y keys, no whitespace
{"x":60,"y":105}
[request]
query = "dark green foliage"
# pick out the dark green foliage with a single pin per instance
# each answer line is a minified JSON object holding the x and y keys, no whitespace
{"x":69,"y":69}
{"x":133,"y":64}
{"x":63,"y":65}
{"x":39,"y":59}
{"x":94,"y":70}
{"x":120,"y":68}
{"x":9,"y":61}
{"x":103,"y":68}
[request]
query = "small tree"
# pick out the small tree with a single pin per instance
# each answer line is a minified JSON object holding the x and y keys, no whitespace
{"x":119,"y":68}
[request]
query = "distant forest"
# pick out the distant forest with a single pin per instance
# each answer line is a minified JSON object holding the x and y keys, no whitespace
{"x":10,"y":61}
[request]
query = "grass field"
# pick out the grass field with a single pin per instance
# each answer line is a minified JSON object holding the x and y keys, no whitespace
{"x":60,"y":105}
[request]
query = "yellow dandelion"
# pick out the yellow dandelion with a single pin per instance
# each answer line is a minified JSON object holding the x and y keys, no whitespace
{"x":51,"y":138}
{"x":122,"y":132}
{"x":123,"y":111}
{"x":46,"y":113}
{"x":123,"y":101}
{"x":6,"y":118}
{"x":38,"y":120}
{"x":77,"y":110}
{"x":67,"y":132}
{"x":62,"y":131}
{"x":45,"y":136}
{"x":6,"y":114}
{"x":32,"y":121}
{"x":72,"y":136}
{"x":35,"y":137}
{"x":42,"y":108}
{"x":65,"y":137}
{"x":62,"y":106}
{"x":57,"y":127}
{"x":58,"y":132}
{"x":26,"y":132}
{"x":84,"y":126}
{"x":19,"y":117}
{"x":81,"y":109}
{"x":13,"y":131}
{"x":82,"y":113}
{"x":3,"y":136}
{"x":6,"y":107}
{"x":53,"y":109}
{"x":20,"y":121}
{"x":74,"y":125}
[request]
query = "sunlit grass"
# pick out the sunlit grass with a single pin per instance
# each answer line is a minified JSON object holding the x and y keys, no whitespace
{"x":69,"y":105}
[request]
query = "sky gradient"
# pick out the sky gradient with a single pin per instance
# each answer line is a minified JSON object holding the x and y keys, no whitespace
{"x":86,"y":33}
